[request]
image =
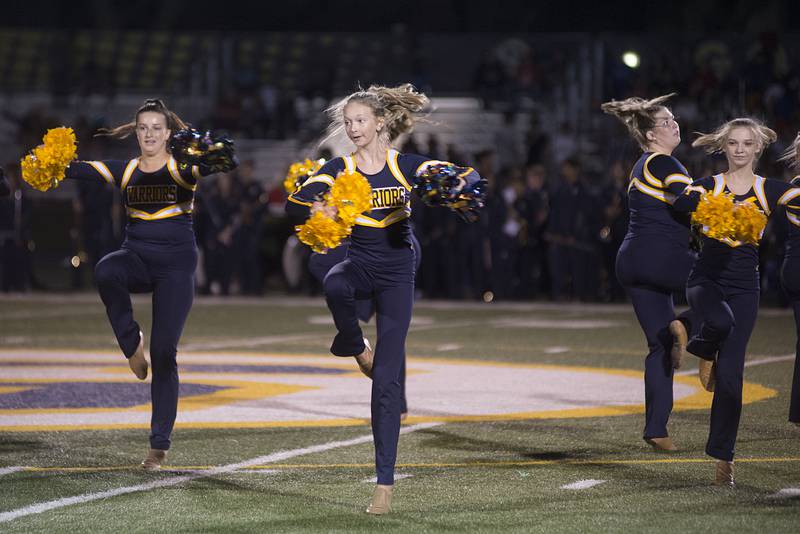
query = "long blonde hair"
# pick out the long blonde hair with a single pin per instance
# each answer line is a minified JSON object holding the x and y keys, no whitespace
{"x":400,"y":108}
{"x":714,"y":142}
{"x":792,"y":154}
{"x":637,"y":114}
{"x":174,"y":123}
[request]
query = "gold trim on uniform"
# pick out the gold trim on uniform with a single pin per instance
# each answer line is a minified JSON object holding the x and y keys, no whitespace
{"x":196,"y":172}
{"x":794,"y":219}
{"x":172,"y":166}
{"x":126,"y":176}
{"x":391,"y":159}
{"x":320,"y":178}
{"x":719,"y":184}
{"x":663,"y":196}
{"x":648,"y":175}
{"x":349,"y":163}
{"x":302,"y":203}
{"x":104,"y":171}
{"x":758,"y":187}
{"x":681,"y":178}
{"x":393,"y":217}
{"x":788,"y":196}
{"x":166,"y":213}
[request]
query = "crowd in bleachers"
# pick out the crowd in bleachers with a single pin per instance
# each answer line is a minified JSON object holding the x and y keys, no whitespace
{"x":556,"y":210}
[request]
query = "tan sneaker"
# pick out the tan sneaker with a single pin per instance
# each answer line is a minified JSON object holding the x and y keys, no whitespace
{"x":364,"y":359}
{"x":664,"y":444}
{"x":381,"y":500}
{"x":679,"y":340}
{"x":707,"y":371}
{"x":154,"y":459}
{"x":724,"y":474}
{"x":137,"y":362}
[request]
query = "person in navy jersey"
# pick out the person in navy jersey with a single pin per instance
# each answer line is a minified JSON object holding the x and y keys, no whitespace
{"x":723,"y":286}
{"x":380,"y":261}
{"x":158,"y":255}
{"x":790,"y":276}
{"x":654,"y":259}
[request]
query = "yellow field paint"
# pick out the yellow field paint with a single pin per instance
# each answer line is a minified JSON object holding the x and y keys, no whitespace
{"x":340,"y":399}
{"x":429,"y":465}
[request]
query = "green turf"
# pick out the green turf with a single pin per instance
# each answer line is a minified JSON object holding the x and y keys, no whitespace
{"x":483,"y":476}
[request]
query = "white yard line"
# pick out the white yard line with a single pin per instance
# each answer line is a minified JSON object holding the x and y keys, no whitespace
{"x":786,"y":493}
{"x":583,"y":484}
{"x":11,"y":469}
{"x":174,"y":481}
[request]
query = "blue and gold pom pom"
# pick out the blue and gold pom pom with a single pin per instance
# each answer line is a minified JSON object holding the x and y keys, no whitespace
{"x":193,"y":147}
{"x":440,"y":184}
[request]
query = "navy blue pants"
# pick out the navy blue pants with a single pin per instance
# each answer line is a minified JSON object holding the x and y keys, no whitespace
{"x":169,"y":275}
{"x":790,"y":279}
{"x":728,"y":318}
{"x":392,"y":288}
{"x":651,"y":275}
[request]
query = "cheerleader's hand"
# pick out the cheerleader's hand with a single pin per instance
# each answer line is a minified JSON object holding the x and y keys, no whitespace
{"x":328,"y":211}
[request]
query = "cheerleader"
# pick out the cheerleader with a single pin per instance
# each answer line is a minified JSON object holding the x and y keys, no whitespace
{"x":321,"y":264}
{"x":654,"y":259}
{"x":380,"y":261}
{"x":723,"y":286}
{"x":790,"y":277}
{"x":158,"y":256}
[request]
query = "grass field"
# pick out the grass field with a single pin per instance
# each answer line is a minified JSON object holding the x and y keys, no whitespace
{"x":522,"y":418}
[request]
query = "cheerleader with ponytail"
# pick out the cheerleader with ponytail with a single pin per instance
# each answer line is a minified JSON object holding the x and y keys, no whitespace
{"x":723,"y":286}
{"x":380,"y":261}
{"x":158,"y":255}
{"x":654,"y":259}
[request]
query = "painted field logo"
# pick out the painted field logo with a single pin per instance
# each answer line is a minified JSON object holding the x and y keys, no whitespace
{"x":75,"y":390}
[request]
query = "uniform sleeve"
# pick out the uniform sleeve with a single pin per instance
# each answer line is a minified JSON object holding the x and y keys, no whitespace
{"x":689,"y":197}
{"x":413,"y":164}
{"x":298,"y":204}
{"x":109,"y":171}
{"x":668,"y":173}
{"x":792,"y":209}
{"x":789,"y":196}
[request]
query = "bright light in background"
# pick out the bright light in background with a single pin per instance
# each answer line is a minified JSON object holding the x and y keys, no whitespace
{"x":631,"y":59}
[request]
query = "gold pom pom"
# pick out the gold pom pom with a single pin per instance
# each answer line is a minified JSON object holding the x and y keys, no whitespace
{"x":715,"y":214}
{"x":44,"y":168}
{"x":352,"y":196}
{"x":299,"y":171}
{"x":321,"y":233}
{"x":749,"y":222}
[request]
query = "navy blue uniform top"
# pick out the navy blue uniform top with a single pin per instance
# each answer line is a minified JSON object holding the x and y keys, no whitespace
{"x":159,"y":204}
{"x":655,"y":182}
{"x":729,"y":261}
{"x":793,"y":233}
{"x":384,"y":233}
